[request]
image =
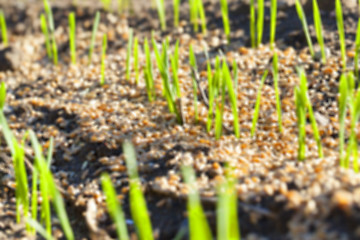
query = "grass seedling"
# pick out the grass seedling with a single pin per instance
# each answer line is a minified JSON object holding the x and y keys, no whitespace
{"x":301,"y":120}
{"x":45,"y":31}
{"x":226,"y":208}
{"x":114,"y":208}
{"x":50,"y":21}
{"x":305,"y":100}
{"x":340,"y":25}
{"x":225,"y":17}
{"x":93,"y":34}
{"x":103,"y":56}
{"x":49,"y":191}
{"x":211,"y":97}
{"x":38,"y":228}
{"x":252,"y":23}
{"x":72,"y":32}
{"x":220,"y":103}
{"x":357,"y":49}
{"x":232,"y":97}
{"x":128,"y":53}
{"x":160,"y":5}
{"x":194,"y":14}
{"x":318,"y":29}
{"x":3,"y":29}
{"x":149,"y":80}
{"x":257,"y":104}
{"x":343,"y":99}
{"x":201,"y":10}
{"x":193,"y":64}
{"x":302,"y":17}
{"x":175,"y":67}
{"x":176,"y":5}
{"x":137,"y":201}
{"x":198,"y":225}
{"x":260,"y":21}
{"x":273,"y":16}
{"x":276,"y":86}
{"x":235,"y":76}
{"x":136,"y":59}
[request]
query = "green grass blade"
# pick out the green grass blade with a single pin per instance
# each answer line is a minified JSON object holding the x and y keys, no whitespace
{"x":252,"y":24}
{"x":194,"y":14}
{"x":103,"y":57}
{"x":257,"y":104}
{"x":3,"y":29}
{"x":192,"y":60}
{"x":226,"y":209}
{"x":199,"y":227}
{"x":149,"y":80}
{"x":93,"y":34}
{"x":341,"y":30}
{"x":128,"y":53}
{"x":225,"y":16}
{"x":302,"y":17}
{"x":276,"y":86}
{"x":114,"y":208}
{"x":176,"y":6}
{"x":37,"y":226}
{"x":260,"y":21}
{"x":318,"y":29}
{"x":343,"y":90}
{"x":211,"y":97}
{"x":136,"y":59}
{"x":44,"y":29}
{"x":306,"y":100}
{"x":273,"y":16}
{"x":357,"y":49}
{"x":233,"y":100}
{"x":137,"y":201}
{"x":201,"y":10}
{"x":72,"y":32}
{"x":301,"y":120}
{"x":161,"y":12}
{"x":235,"y":77}
{"x":34,"y":195}
{"x":2,"y":95}
{"x":50,"y":153}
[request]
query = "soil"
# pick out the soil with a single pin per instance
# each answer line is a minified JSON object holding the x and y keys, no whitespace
{"x":279,"y":197}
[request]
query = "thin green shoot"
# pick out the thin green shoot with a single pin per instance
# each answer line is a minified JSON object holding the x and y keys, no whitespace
{"x":38,"y":228}
{"x":93,"y":34}
{"x":211,"y":97}
{"x":3,"y":29}
{"x":226,"y":208}
{"x":220,"y":105}
{"x":235,"y":76}
{"x":34,"y":196}
{"x":232,"y":97}
{"x":193,"y":64}
{"x":128,"y":53}
{"x":199,"y":227}
{"x":2,"y":95}
{"x":257,"y":104}
{"x":49,"y":191}
{"x":276,"y":86}
{"x":340,"y":25}
{"x":50,"y":21}
{"x":301,"y":120}
{"x":175,"y":67}
{"x":149,"y":80}
{"x":225,"y":17}
{"x":273,"y":16}
{"x":201,"y":10}
{"x":343,"y":99}
{"x":114,"y":208}
{"x":103,"y":56}
{"x":136,"y":59}
{"x":194,"y":14}
{"x":318,"y":29}
{"x":137,"y":201}
{"x":260,"y":21}
{"x":252,"y":24}
{"x":50,"y":152}
{"x":44,"y":29}
{"x":357,"y":50}
{"x":160,"y":5}
{"x":176,"y":5}
{"x":54,"y":50}
{"x":306,"y":101}
{"x":72,"y":32}
{"x":302,"y":17}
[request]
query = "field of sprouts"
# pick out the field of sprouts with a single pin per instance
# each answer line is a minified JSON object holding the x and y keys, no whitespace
{"x":192,"y":119}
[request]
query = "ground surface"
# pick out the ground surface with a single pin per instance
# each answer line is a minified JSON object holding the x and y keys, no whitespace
{"x":279,"y":197}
